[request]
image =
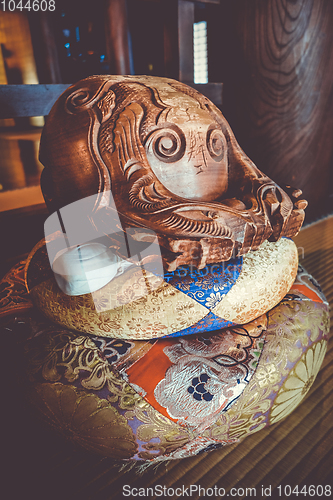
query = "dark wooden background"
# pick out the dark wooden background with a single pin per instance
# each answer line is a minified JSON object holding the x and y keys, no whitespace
{"x":275,"y":58}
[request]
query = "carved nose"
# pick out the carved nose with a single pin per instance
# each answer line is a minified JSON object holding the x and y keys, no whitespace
{"x":272,"y":201}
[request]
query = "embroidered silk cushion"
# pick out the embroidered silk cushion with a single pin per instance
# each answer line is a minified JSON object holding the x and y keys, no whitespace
{"x":172,"y":397}
{"x":138,"y":304}
{"x":175,"y":397}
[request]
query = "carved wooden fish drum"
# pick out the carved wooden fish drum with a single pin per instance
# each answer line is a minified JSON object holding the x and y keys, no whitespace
{"x":176,"y":319}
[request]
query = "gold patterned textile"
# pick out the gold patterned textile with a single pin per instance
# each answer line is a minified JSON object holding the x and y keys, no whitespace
{"x":14,"y":296}
{"x":265,"y":277}
{"x":66,"y":364}
{"x":78,"y":392}
{"x":298,"y":382}
{"x":84,"y":385}
{"x":90,"y":421}
{"x":296,"y":339}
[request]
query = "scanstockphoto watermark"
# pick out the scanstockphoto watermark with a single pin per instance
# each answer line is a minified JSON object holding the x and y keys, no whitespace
{"x":263,"y":491}
{"x":188,"y":491}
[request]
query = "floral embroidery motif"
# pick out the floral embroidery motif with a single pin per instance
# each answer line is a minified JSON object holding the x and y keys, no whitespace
{"x":198,"y":389}
{"x":209,"y":285}
{"x":213,"y":300}
{"x":223,"y":385}
{"x":86,"y":419}
{"x":208,"y":374}
{"x":267,"y":375}
{"x":100,"y":303}
{"x":113,"y":349}
{"x":298,"y":382}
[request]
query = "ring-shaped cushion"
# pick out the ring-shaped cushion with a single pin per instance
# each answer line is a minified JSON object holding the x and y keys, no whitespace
{"x":177,"y":397}
{"x":142,"y":305}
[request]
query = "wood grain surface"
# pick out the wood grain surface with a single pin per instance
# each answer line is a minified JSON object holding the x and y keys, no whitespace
{"x":278,"y":89}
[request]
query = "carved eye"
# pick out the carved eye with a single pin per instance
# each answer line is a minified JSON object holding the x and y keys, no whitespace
{"x":167,"y":144}
{"x":216,"y":144}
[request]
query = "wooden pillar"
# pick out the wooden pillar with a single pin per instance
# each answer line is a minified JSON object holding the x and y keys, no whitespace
{"x":12,"y":173}
{"x":19,"y":164}
{"x":278,"y":90}
{"x":45,"y":49}
{"x":185,"y":40}
{"x":178,"y":19}
{"x":117,"y":38}
{"x":170,"y":38}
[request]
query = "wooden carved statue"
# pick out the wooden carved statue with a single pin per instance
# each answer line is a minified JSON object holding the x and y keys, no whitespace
{"x":172,"y":164}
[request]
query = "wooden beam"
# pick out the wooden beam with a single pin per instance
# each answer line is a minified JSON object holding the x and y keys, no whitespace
{"x":170,"y":36}
{"x":37,"y":100}
{"x":28,"y":100}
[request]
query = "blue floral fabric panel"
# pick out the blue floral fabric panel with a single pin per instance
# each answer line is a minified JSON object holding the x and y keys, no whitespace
{"x":207,"y":286}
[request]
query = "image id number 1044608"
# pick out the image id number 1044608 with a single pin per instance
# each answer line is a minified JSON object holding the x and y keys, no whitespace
{"x":306,"y":491}
{"x":28,"y":5}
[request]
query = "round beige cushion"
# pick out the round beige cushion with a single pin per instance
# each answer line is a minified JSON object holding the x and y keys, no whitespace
{"x":138,"y":304}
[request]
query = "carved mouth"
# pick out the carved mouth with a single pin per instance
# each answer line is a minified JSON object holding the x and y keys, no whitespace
{"x":196,"y":227}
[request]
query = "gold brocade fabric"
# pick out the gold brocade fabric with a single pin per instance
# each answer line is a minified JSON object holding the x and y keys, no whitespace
{"x":80,"y":394}
{"x":267,"y":275}
{"x":145,"y":318}
{"x":295,"y":345}
{"x":93,"y":391}
{"x":123,"y":309}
